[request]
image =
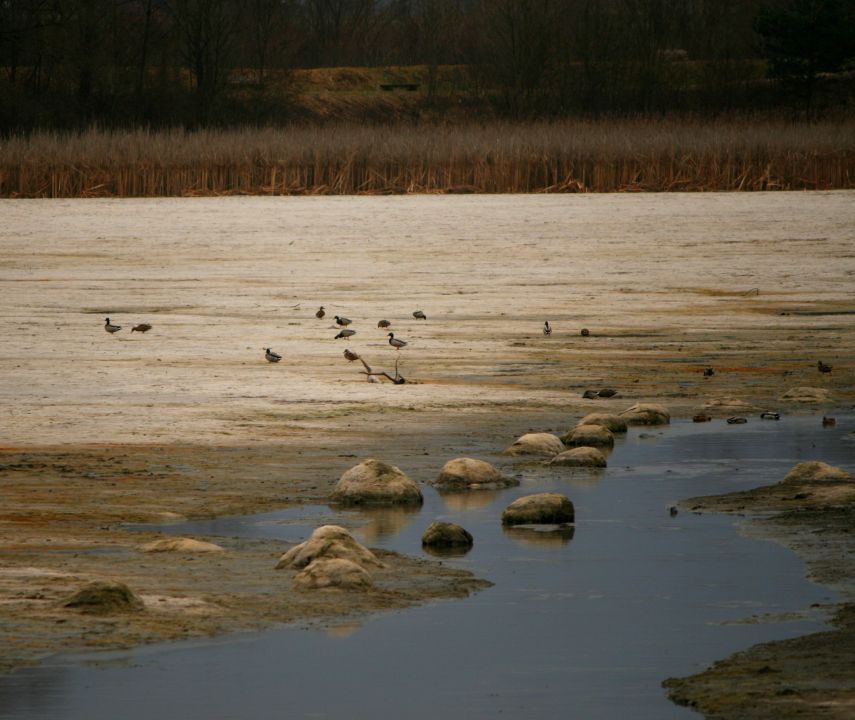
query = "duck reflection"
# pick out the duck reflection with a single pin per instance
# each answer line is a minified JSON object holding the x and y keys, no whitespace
{"x":546,"y":536}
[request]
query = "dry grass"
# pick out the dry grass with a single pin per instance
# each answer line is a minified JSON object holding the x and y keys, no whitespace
{"x":490,"y":158}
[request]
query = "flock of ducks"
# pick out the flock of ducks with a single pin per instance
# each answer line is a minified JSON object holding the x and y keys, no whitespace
{"x":346,"y":332}
{"x":396,"y":343}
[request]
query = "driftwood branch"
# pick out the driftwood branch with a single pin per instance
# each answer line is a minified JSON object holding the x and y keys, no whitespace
{"x":397,"y":379}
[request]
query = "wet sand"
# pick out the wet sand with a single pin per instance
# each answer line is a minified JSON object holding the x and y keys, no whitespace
{"x":190,"y":420}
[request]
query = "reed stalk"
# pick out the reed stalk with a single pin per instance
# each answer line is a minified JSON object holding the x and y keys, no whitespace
{"x":613,"y":156}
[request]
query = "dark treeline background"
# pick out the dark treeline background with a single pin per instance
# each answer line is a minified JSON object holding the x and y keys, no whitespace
{"x":120,"y":63}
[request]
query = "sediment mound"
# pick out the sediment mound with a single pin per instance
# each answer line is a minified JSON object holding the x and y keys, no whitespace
{"x":333,"y":573}
{"x":444,"y":535}
{"x":589,"y":436}
{"x":580,"y":457}
{"x":375,"y":483}
{"x":815,"y":471}
{"x":646,"y":414}
{"x":104,"y":597}
{"x":540,"y":509}
{"x":536,"y":444}
{"x":613,"y":423}
{"x":806,"y":394}
{"x":328,"y":542}
{"x":471,"y":474}
{"x":185,"y":545}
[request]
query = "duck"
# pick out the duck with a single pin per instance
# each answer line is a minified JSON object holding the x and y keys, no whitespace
{"x":395,"y":343}
{"x":110,"y":328}
{"x":271,"y":356}
{"x":350,"y":356}
{"x":383,"y":324}
{"x":142,"y":327}
{"x":419,"y":315}
{"x":345,"y":334}
{"x":709,"y":372}
{"x":343,"y":321}
{"x":822,"y":367}
{"x":547,"y":330}
{"x":320,"y":313}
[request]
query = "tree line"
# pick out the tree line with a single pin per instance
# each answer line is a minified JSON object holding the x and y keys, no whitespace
{"x":71,"y":63}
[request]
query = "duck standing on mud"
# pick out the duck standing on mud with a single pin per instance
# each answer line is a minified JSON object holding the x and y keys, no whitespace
{"x":343,"y":321}
{"x":547,"y":330}
{"x":419,"y":315}
{"x":320,"y":313}
{"x":395,"y":343}
{"x":271,"y":356}
{"x":110,"y":328}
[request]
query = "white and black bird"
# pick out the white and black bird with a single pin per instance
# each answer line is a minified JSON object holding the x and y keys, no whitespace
{"x":271,"y":356}
{"x":419,"y":315}
{"x":110,"y":328}
{"x":345,"y":333}
{"x":343,"y":321}
{"x":547,"y":330}
{"x":320,"y":313}
{"x":395,"y":343}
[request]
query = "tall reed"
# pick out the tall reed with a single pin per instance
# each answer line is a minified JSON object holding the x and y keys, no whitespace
{"x":494,"y":157}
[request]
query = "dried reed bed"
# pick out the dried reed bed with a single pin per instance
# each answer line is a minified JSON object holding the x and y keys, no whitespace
{"x":489,"y":158}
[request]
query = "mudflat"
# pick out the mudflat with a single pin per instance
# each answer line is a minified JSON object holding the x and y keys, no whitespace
{"x":189,"y":419}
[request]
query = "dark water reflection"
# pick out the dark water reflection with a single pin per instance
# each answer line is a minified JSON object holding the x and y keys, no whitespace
{"x":584,"y":628}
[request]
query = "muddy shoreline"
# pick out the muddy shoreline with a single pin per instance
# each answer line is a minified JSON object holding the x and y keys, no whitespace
{"x":808,"y":676}
{"x":189,"y":420}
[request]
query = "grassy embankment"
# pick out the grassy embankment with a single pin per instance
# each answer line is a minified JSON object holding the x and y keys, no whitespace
{"x":395,"y":154}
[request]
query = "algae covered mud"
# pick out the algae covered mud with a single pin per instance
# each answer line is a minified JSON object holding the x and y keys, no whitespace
{"x":188,"y":420}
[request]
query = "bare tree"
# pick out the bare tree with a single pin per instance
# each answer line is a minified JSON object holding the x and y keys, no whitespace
{"x":207,"y":30}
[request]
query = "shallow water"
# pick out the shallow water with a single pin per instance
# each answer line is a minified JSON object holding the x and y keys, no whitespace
{"x":586,"y":627}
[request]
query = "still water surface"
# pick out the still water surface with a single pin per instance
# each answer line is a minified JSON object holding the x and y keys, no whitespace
{"x":583,"y":627}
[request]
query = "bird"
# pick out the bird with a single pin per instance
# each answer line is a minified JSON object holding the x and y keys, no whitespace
{"x":350,"y":356}
{"x":383,"y":324}
{"x":345,"y":334}
{"x":343,"y":321}
{"x":709,"y":372}
{"x":546,"y":329}
{"x":585,"y":332}
{"x":828,"y":421}
{"x":271,"y":356}
{"x":320,"y":313}
{"x":419,"y":315}
{"x":110,"y":328}
{"x":142,"y":327}
{"x":395,"y":343}
{"x":823,"y":368}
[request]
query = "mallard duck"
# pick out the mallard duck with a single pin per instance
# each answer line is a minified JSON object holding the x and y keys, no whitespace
{"x":345,"y":334}
{"x":271,"y":356}
{"x":383,"y":324}
{"x":142,"y":327}
{"x":419,"y":315}
{"x":343,"y":321}
{"x":822,"y":367}
{"x":110,"y":328}
{"x":395,"y":343}
{"x":320,"y":313}
{"x":350,"y":356}
{"x":546,"y":329}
